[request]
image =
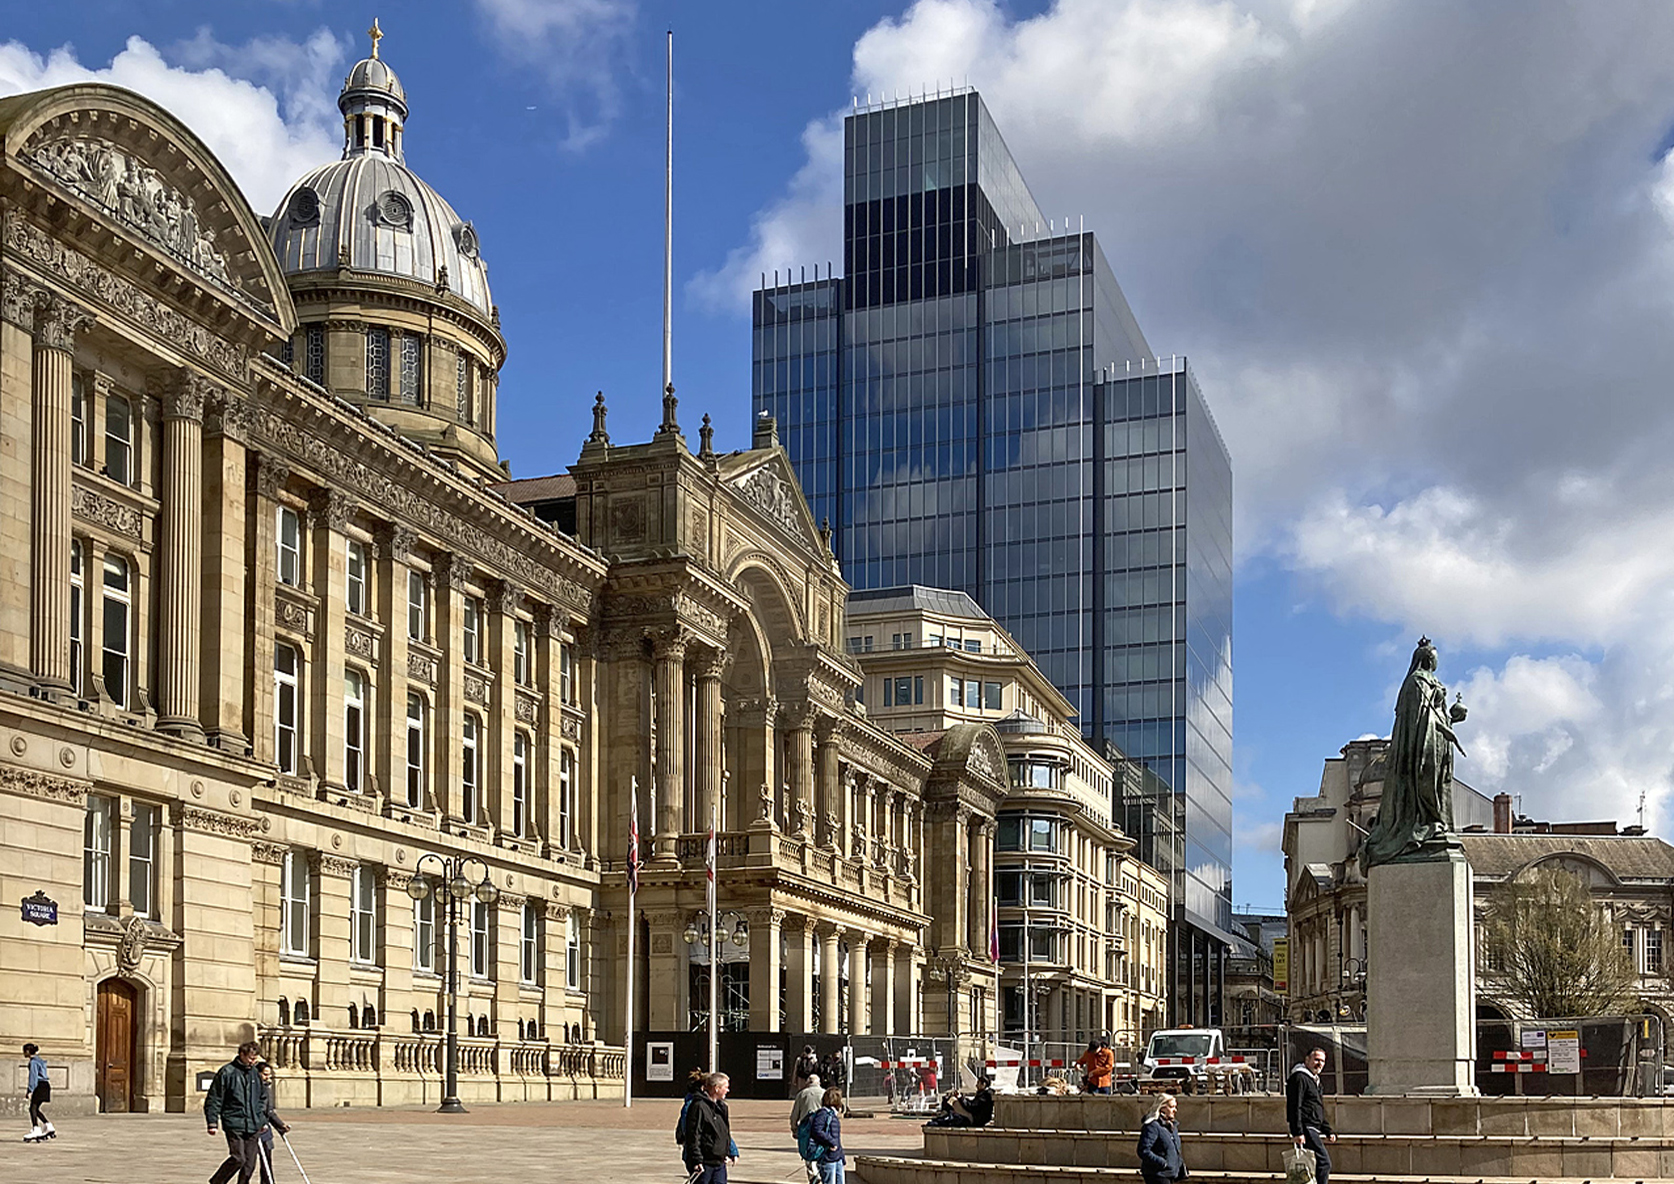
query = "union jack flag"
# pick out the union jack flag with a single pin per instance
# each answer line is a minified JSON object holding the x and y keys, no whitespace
{"x":633,"y":835}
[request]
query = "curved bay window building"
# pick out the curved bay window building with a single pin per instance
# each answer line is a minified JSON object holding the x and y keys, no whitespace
{"x":973,"y":405}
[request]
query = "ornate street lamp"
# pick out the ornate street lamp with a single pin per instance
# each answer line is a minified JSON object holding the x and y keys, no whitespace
{"x":453,"y":885}
{"x":717,"y":931}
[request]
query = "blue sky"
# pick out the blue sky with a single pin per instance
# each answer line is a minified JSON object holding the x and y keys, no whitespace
{"x":1420,"y":256}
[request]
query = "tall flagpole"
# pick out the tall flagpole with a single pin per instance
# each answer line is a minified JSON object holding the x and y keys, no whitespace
{"x":633,"y":890}
{"x":668,"y":231}
{"x":714,"y":943}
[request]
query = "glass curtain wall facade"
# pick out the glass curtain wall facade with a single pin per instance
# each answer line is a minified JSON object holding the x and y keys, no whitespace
{"x":973,"y":406}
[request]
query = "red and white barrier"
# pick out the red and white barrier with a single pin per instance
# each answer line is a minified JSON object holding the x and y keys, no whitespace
{"x":1034,"y":1064}
{"x":1200,"y":1060}
{"x":1517,"y":1067}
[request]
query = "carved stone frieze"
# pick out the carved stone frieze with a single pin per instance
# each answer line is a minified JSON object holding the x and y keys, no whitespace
{"x":216,"y":823}
{"x":270,"y":853}
{"x":133,"y":193}
{"x":43,"y":785}
{"x":106,"y":512}
{"x":569,"y":727}
{"x":360,"y":642}
{"x":770,"y":494}
{"x":421,"y":667}
{"x":125,"y":297}
{"x":292,"y":615}
{"x":476,"y":688}
{"x":335,"y":865}
{"x":528,"y":707}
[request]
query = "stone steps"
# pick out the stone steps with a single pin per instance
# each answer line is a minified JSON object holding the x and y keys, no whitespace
{"x":881,"y":1169}
{"x":1400,"y":1156}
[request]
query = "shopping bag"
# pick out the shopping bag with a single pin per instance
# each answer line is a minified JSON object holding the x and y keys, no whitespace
{"x":1299,"y":1165}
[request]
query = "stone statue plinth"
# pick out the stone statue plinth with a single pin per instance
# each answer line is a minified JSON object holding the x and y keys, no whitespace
{"x":1420,"y":977}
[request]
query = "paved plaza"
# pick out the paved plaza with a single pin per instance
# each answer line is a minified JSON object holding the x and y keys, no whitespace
{"x":596,"y":1142}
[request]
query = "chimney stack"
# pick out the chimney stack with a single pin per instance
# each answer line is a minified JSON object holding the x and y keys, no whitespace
{"x":1502,"y":813}
{"x":766,"y":434}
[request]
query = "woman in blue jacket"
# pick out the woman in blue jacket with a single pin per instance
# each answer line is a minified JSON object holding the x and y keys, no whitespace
{"x":40,"y":1093}
{"x":825,"y":1132}
{"x":1160,"y":1160}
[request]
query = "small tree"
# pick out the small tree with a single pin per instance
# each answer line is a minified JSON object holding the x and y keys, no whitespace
{"x":1554,"y":951}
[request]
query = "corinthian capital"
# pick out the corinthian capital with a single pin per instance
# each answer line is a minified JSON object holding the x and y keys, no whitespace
{"x":668,"y":643}
{"x":58,"y":322}
{"x":271,"y":475}
{"x":334,"y":508}
{"x":19,"y":298}
{"x":185,"y":394}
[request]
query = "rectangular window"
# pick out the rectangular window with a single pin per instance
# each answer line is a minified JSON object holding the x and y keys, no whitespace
{"x":412,"y":369}
{"x":520,"y":784}
{"x":973,"y":645}
{"x":363,"y":915}
{"x":95,"y":855}
{"x":854,"y":645}
{"x":462,"y":386}
{"x":418,"y":601}
{"x":889,"y":692}
{"x":566,"y":675}
{"x":424,"y":934}
{"x":1040,"y":835}
{"x":903,"y":691}
{"x":1627,"y":944}
{"x":901,"y":641}
{"x":314,"y":354}
{"x":284,"y":708}
{"x":468,"y":771}
{"x":356,"y":598}
{"x":78,"y":421}
{"x":119,"y":440}
{"x":1008,"y":887}
{"x":572,"y":954}
{"x":295,"y":892}
{"x":354,"y":731}
{"x":955,"y":692}
{"x":918,"y":689}
{"x":1040,"y":890}
{"x":482,"y":944}
{"x":933,"y":641}
{"x":1653,"y":951}
{"x":1008,"y":833}
{"x":118,"y":600}
{"x":529,"y":949}
{"x":290,"y":547}
{"x":415,"y":749}
{"x":473,"y":630}
{"x":377,"y":363}
{"x":77,"y":608}
{"x":142,"y":860}
{"x":973,"y":694}
{"x":522,"y":673}
{"x":991,"y":696}
{"x":566,"y":797}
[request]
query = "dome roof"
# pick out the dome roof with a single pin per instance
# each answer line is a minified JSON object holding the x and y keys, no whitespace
{"x":369,"y":211}
{"x":372,"y":213}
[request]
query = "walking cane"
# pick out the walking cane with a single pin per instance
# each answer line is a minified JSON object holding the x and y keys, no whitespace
{"x":265,"y":1158}
{"x":295,"y":1160}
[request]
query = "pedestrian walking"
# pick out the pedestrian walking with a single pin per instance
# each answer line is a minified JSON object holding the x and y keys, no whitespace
{"x":709,"y":1132}
{"x":825,"y":1132}
{"x":1305,"y":1113}
{"x":807,"y":1065}
{"x":270,"y":1116}
{"x":694,"y":1088}
{"x":1161,"y":1159}
{"x":40,"y":1093}
{"x":807,"y":1102}
{"x":236,"y":1104}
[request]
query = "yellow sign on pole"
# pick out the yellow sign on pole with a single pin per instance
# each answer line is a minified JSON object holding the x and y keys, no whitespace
{"x":1281,"y":965}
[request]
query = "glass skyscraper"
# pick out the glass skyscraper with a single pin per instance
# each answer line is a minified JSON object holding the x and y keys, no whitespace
{"x":972,"y":405}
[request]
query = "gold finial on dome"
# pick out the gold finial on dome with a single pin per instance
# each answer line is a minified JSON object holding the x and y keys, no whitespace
{"x":377,"y":35}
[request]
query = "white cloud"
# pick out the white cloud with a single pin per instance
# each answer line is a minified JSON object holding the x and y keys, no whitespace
{"x":576,"y":45}
{"x":264,"y":145}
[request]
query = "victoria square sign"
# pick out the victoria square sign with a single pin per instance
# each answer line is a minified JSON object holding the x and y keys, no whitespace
{"x":38,"y":910}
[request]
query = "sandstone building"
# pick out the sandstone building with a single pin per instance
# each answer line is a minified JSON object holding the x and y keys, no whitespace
{"x":274,"y":627}
{"x":1082,"y":923}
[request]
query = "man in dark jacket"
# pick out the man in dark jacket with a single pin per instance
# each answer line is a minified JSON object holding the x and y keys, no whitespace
{"x":237,"y":1103}
{"x":1305,"y":1112}
{"x":709,"y":1132}
{"x":1160,"y":1158}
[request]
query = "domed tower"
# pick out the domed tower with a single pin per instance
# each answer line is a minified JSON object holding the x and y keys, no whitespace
{"x":391,"y":290}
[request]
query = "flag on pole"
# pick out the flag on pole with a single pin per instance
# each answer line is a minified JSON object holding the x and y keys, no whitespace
{"x":709,"y":865}
{"x":633,"y":835}
{"x":994,"y":931}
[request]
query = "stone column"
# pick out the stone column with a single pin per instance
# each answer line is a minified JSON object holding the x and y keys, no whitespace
{"x":831,"y":1007}
{"x":799,"y":973}
{"x":906,"y":989}
{"x":859,"y":949}
{"x":392,"y":549}
{"x":180,"y":631}
{"x":765,"y":955}
{"x":799,"y":720}
{"x":883,"y":986}
{"x":17,"y":363}
{"x":978,"y":890}
{"x":830,"y":797}
{"x":56,"y":326}
{"x":668,"y":658}
{"x":447,"y":594}
{"x":226,"y":573}
{"x":331,"y":974}
{"x":329,"y":515}
{"x":270,"y":477}
{"x":709,"y":757}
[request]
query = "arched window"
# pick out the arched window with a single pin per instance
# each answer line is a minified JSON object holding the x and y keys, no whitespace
{"x":469,"y":768}
{"x":377,"y":363}
{"x":284,"y":1012}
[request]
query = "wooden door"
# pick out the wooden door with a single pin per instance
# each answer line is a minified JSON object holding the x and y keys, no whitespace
{"x":115,"y":1049}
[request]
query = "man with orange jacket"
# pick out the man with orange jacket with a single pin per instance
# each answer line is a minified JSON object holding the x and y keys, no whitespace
{"x":1098,"y":1063}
